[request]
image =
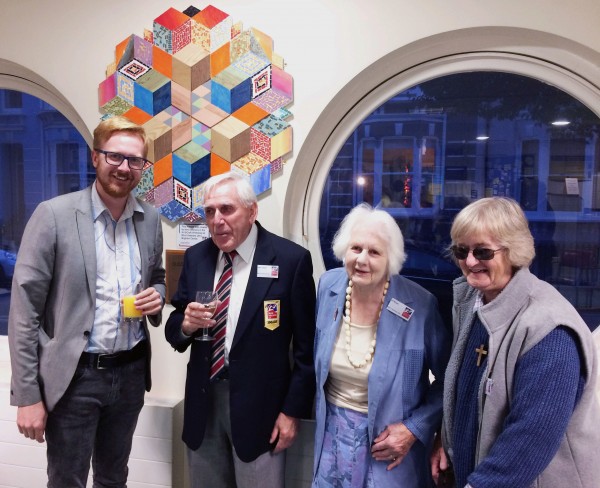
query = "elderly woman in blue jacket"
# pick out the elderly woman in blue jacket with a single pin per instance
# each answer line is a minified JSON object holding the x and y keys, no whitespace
{"x":378,"y":337}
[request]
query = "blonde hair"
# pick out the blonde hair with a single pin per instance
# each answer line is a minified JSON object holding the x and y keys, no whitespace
{"x":504,"y":221}
{"x":118,"y":123}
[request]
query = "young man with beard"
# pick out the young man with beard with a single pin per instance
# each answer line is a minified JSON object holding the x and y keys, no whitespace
{"x":79,"y":370}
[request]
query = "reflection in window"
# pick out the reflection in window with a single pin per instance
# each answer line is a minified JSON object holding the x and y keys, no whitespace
{"x":41,"y":156}
{"x":13,"y":99}
{"x":430,"y":150}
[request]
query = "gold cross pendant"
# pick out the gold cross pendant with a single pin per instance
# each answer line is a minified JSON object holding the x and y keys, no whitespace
{"x":480,"y":353}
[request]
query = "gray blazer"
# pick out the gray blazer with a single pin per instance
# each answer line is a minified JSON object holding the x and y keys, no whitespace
{"x":54,"y":293}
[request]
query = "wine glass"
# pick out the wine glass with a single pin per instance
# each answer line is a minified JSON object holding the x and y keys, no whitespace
{"x":209,"y":300}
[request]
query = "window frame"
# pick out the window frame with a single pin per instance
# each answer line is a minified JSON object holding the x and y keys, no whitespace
{"x":558,"y":61}
{"x":15,"y":77}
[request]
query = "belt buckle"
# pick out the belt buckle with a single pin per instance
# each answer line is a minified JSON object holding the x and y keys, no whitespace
{"x":97,"y":362}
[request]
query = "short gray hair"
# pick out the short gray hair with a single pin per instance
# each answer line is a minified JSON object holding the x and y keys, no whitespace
{"x":388,"y":229}
{"x":504,"y":220}
{"x":242,"y":185}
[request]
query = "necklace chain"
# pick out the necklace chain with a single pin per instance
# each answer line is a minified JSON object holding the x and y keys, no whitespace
{"x":347,"y":328}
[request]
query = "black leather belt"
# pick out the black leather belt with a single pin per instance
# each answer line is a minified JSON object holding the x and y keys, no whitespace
{"x":104,"y":361}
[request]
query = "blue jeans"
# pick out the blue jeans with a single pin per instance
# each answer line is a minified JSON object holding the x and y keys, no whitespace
{"x":95,"y":419}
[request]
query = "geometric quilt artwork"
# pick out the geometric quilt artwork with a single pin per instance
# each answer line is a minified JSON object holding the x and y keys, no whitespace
{"x":212,"y":96}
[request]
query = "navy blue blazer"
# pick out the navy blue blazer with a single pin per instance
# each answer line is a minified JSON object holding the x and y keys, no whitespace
{"x":265,"y":376}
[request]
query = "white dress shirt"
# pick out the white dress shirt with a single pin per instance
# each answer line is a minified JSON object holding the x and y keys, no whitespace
{"x":118,"y":270}
{"x":242,"y":264}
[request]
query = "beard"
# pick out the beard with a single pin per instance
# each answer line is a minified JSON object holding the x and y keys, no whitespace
{"x":114,"y":188}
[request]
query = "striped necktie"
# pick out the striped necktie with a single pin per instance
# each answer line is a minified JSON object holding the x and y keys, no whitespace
{"x":223,"y":290}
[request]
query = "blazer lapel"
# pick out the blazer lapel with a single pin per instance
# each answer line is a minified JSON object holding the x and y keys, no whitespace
{"x":85,"y":231}
{"x":205,"y":269}
{"x":333,"y":303}
{"x":144,"y":240}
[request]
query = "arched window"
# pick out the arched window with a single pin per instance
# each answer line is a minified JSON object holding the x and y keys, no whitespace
{"x":427,"y":140}
{"x":42,"y":155}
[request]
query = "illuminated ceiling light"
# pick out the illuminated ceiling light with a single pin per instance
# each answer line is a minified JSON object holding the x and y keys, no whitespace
{"x":560,"y":123}
{"x":361,"y":181}
{"x":482,"y":138}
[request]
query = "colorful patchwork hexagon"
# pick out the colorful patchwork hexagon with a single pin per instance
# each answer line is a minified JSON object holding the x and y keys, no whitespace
{"x":134,"y":48}
{"x":107,"y":90}
{"x":191,"y":164}
{"x":211,"y":28}
{"x":172,"y":31}
{"x":173,"y":210}
{"x":180,"y":124}
{"x":230,"y":139}
{"x":163,"y":193}
{"x":231,"y":89}
{"x":201,"y":134}
{"x":134,"y":69}
{"x":192,"y":218}
{"x":191,"y":67}
{"x":196,"y":196}
{"x":152,"y":92}
{"x":256,"y":169}
{"x":160,"y":139}
{"x":125,"y":88}
{"x":117,"y":106}
{"x":212,"y":98}
{"x":146,"y":182}
{"x":163,"y":169}
{"x":182,"y":193}
{"x":271,"y":138}
{"x":202,"y":108}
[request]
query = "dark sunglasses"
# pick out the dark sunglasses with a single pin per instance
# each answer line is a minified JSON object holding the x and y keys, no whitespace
{"x":479,"y":253}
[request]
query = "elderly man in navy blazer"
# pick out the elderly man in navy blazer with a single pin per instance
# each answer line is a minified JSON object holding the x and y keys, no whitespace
{"x":79,"y":371}
{"x":247,"y":389}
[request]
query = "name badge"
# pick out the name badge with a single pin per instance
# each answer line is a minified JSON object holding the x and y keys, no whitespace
{"x":488,"y":386}
{"x":398,"y":308}
{"x":267,"y":271}
{"x":272,"y":312}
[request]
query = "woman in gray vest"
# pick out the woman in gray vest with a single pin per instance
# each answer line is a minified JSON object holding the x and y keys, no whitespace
{"x":520,"y":405}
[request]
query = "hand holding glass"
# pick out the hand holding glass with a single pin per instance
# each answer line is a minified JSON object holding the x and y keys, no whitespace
{"x":209,"y":301}
{"x":130,"y":313}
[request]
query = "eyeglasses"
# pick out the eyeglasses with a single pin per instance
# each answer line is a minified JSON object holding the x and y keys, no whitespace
{"x":116,"y":159}
{"x":479,"y":253}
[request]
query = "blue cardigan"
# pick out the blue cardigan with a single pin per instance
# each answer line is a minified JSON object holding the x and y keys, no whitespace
{"x":399,"y":386}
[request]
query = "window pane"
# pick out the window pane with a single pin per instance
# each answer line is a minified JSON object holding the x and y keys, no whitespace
{"x":13,"y":99}
{"x":41,"y":155}
{"x":432,"y":149}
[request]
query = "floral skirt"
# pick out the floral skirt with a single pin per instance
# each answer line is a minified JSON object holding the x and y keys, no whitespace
{"x":346,"y":456}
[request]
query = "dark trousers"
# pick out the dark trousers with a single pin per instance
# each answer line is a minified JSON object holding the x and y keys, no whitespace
{"x":216,"y":465}
{"x":95,"y":419}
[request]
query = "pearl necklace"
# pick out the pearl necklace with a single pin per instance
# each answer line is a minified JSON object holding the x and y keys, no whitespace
{"x":346,"y":319}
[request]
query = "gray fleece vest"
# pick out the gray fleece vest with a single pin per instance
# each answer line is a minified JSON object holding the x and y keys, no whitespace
{"x":516,"y":320}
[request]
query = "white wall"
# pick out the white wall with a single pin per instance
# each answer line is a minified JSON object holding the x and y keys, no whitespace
{"x":324,"y":43}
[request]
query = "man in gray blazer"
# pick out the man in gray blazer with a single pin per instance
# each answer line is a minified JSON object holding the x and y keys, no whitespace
{"x":79,"y":369}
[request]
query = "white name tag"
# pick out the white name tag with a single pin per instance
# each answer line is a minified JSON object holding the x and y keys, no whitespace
{"x":398,"y":308}
{"x":267,"y":271}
